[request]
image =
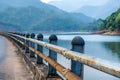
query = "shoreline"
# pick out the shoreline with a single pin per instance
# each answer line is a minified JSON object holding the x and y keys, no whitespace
{"x":106,"y":32}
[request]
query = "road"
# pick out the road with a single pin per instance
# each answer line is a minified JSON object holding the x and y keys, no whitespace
{"x":11,"y":64}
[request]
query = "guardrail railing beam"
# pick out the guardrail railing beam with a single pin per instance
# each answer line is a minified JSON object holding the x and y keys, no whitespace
{"x":82,"y":58}
{"x":65,"y":72}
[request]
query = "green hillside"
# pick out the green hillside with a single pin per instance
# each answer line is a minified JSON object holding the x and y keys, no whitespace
{"x":112,"y":22}
{"x":42,"y":17}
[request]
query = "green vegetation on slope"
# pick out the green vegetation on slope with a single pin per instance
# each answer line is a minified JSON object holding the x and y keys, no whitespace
{"x":43,"y":18}
{"x":111,"y":23}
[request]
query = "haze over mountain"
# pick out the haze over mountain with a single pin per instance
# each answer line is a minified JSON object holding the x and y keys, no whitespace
{"x":100,"y":11}
{"x":20,"y":3}
{"x":93,"y":8}
{"x":33,"y":15}
{"x":72,"y":5}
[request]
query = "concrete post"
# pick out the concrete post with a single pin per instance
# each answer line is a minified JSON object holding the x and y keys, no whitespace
{"x":32,"y":54}
{"x":53,"y":55}
{"x":78,"y":46}
{"x":19,"y":40}
{"x":39,"y":48}
{"x":21,"y":34}
{"x":27,"y":42}
{"x":15,"y":37}
{"x":23,"y":42}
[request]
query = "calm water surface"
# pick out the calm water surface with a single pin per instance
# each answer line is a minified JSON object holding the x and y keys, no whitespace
{"x":100,"y":46}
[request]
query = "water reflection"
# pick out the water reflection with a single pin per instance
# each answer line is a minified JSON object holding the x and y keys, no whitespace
{"x":114,"y":47}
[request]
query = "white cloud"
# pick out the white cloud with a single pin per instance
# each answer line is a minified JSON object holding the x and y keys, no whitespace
{"x":47,"y":1}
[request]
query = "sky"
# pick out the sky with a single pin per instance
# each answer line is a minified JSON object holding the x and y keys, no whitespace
{"x":72,"y":5}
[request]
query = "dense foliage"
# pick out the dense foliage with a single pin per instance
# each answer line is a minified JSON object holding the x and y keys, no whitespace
{"x":111,"y":23}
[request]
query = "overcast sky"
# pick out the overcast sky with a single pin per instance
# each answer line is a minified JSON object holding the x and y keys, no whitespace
{"x":71,"y":5}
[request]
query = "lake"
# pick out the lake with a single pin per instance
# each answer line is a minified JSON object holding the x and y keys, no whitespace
{"x":100,"y":46}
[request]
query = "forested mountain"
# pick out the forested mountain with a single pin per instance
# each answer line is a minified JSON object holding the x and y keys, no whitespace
{"x":111,"y":23}
{"x":33,"y":15}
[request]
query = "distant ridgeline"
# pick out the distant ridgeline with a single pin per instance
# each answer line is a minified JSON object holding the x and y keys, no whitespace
{"x":112,"y":22}
{"x":7,"y":27}
{"x":40,"y":16}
